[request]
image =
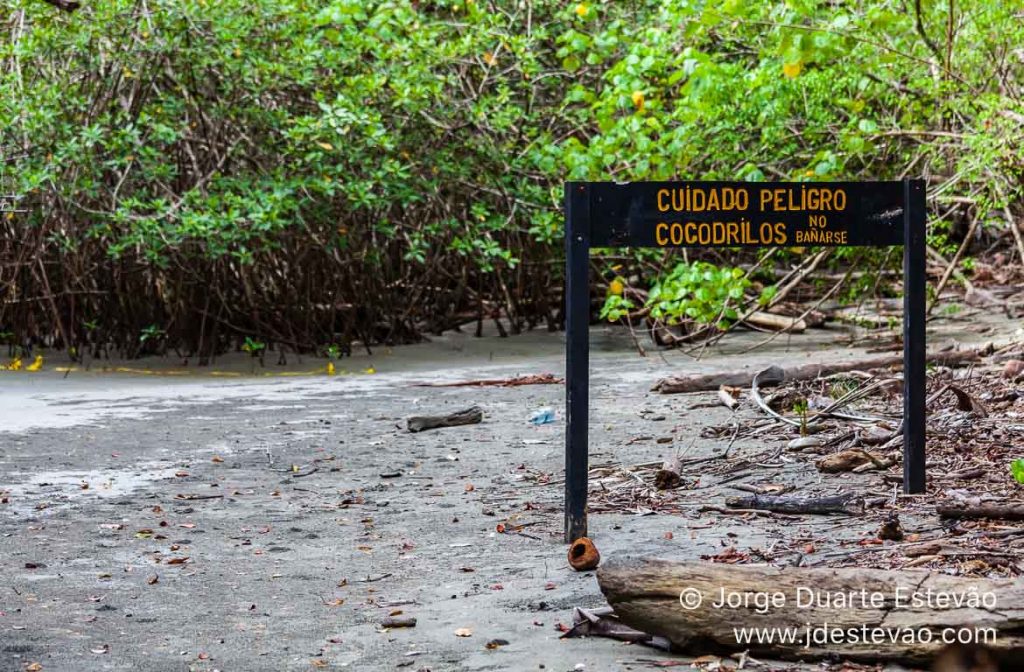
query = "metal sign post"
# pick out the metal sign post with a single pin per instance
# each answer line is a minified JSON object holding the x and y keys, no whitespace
{"x":738,"y":214}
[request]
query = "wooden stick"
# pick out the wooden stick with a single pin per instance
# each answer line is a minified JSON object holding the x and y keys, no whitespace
{"x":956,"y":260}
{"x":1016,"y":232}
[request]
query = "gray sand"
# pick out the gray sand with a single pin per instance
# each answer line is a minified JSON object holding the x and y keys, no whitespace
{"x":111,"y":476}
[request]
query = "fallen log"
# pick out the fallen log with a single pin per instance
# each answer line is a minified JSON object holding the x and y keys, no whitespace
{"x":1002,"y":511}
{"x":866,"y":615}
{"x":713,"y":381}
{"x":848,"y":503}
{"x":469,"y":416}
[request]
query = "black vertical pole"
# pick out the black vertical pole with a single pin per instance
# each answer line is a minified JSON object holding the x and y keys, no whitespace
{"x":577,"y":356}
{"x":914,"y":288}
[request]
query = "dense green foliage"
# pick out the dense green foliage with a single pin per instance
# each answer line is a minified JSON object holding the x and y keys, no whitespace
{"x":699,"y":292}
{"x":311,"y":172}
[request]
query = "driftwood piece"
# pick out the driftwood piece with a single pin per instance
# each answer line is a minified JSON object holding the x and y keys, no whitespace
{"x":670,"y":474}
{"x":677,"y":600}
{"x":775,"y":322}
{"x":1003,"y":511}
{"x":398,"y":622}
{"x":518,"y":381}
{"x":847,"y":503}
{"x":851,"y":460}
{"x":725,"y":396}
{"x":603,"y":623}
{"x":469,"y":416}
{"x":713,"y":381}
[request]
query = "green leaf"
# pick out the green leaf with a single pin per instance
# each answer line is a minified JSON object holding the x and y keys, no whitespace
{"x":867,"y":126}
{"x":1017,"y":469}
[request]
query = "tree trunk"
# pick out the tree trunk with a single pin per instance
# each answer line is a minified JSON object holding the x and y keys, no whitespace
{"x":657,"y":597}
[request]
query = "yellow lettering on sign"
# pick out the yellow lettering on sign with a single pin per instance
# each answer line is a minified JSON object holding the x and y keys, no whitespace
{"x":792,"y":199}
{"x":659,"y":234}
{"x":697,"y":199}
{"x":663,"y":203}
{"x":821,"y":237}
{"x":692,"y":234}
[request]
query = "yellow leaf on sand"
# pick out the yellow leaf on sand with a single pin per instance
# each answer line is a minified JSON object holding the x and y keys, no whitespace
{"x":15,"y":364}
{"x":326,"y":146}
{"x":616,"y":287}
{"x":36,"y":365}
{"x":638,"y":99}
{"x":791,"y":70}
{"x":464,"y":632}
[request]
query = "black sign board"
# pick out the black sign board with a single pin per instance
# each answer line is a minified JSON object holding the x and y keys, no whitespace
{"x":738,"y":214}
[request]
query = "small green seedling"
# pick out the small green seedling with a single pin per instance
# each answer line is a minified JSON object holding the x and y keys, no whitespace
{"x":255,"y":348}
{"x":1017,"y":469}
{"x":151,"y":333}
{"x":801,"y":407}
